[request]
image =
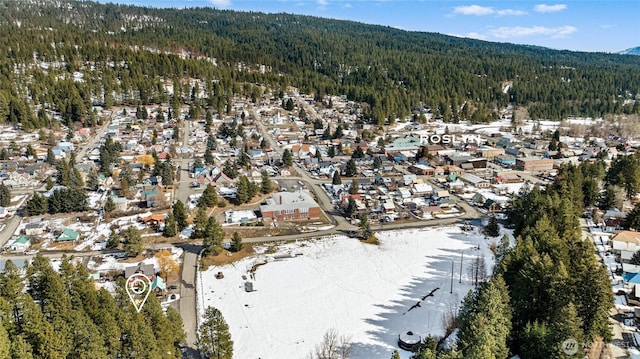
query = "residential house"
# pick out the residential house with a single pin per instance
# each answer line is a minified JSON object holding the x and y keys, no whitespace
{"x":326,"y":168}
{"x":17,"y":180}
{"x":421,"y":189}
{"x":153,"y":219}
{"x":141,"y":268}
{"x":440,"y":195}
{"x":492,"y":206}
{"x":479,"y":199}
{"x":121,"y":203}
{"x":408,"y":179}
{"x":68,"y":235}
{"x":625,"y":244}
{"x":152,"y":196}
{"x":20,"y":244}
{"x":388,"y":207}
{"x":34,"y":229}
{"x":285,"y":206}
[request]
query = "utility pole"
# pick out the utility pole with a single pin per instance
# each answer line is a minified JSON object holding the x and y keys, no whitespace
{"x":461,"y":258}
{"x":452,"y":268}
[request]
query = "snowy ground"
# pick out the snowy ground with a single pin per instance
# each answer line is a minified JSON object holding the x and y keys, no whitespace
{"x":362,"y":291}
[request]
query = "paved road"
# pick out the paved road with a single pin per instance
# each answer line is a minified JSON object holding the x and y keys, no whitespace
{"x":11,"y":225}
{"x":326,"y":203}
{"x":93,"y":140}
{"x":188,"y":292}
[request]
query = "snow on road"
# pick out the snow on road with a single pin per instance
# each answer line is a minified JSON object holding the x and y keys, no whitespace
{"x":362,"y":291}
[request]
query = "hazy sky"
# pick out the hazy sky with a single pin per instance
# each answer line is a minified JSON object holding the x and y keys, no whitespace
{"x":581,"y":25}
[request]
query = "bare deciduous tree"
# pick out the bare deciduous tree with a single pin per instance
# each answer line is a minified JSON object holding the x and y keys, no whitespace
{"x":333,"y":346}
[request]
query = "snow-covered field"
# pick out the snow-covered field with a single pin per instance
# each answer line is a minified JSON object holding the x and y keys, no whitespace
{"x":361,"y":291}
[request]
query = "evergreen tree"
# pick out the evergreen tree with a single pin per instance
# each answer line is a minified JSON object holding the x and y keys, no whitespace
{"x":357,"y":153}
{"x":230,"y":169}
{"x":236,"y":242}
{"x":351,"y":207}
{"x":209,"y":197}
{"x":214,"y":338}
{"x":354,"y":188}
{"x":485,"y":321}
{"x":287,"y":158}
{"x":109,"y":205}
{"x":49,"y":184}
{"x":5,"y":344}
{"x":200,"y":223}
{"x":208,"y":157}
{"x":266,"y":186}
{"x":608,"y":198}
{"x":114,"y":239}
{"x":331,"y":152}
{"x":180,"y":215}
{"x":37,"y":205}
{"x":51,"y":157}
{"x":170,"y":226}
{"x":243,"y":195}
{"x":213,"y":237}
{"x":365,"y":227}
{"x":289,"y":104}
{"x":377,"y":162}
{"x":92,"y":181}
{"x":20,"y":348}
{"x":632,"y":220}
{"x":351,"y":170}
{"x":132,"y":242}
{"x":492,"y":229}
{"x":336,"y":180}
{"x":5,"y":195}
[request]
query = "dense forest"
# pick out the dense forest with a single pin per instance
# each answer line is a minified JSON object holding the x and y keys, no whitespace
{"x":546,"y":289}
{"x":62,"y":57}
{"x":50,"y":314}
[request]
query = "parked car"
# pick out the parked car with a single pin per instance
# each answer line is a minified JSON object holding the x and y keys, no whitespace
{"x":173,"y":287}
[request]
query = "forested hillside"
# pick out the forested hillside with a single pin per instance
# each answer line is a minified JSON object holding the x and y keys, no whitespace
{"x":46,"y":314}
{"x":61,"y":57}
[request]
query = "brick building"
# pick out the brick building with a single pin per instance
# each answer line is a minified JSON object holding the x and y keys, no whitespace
{"x":290,"y":206}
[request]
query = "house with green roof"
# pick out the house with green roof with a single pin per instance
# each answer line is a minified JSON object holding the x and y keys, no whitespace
{"x":68,"y":235}
{"x":20,"y":244}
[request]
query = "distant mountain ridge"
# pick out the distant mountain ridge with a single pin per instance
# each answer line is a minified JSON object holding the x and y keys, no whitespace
{"x":631,"y":51}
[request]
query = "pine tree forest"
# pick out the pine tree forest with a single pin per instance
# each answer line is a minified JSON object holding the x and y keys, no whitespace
{"x":63,"y":60}
{"x":59,"y":314}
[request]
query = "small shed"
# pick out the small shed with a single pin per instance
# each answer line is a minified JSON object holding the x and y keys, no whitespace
{"x":248,"y":286}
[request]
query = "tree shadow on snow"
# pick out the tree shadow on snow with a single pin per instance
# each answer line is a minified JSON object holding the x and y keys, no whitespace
{"x":427,"y":318}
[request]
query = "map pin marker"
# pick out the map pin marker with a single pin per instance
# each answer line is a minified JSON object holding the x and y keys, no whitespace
{"x":138,"y":288}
